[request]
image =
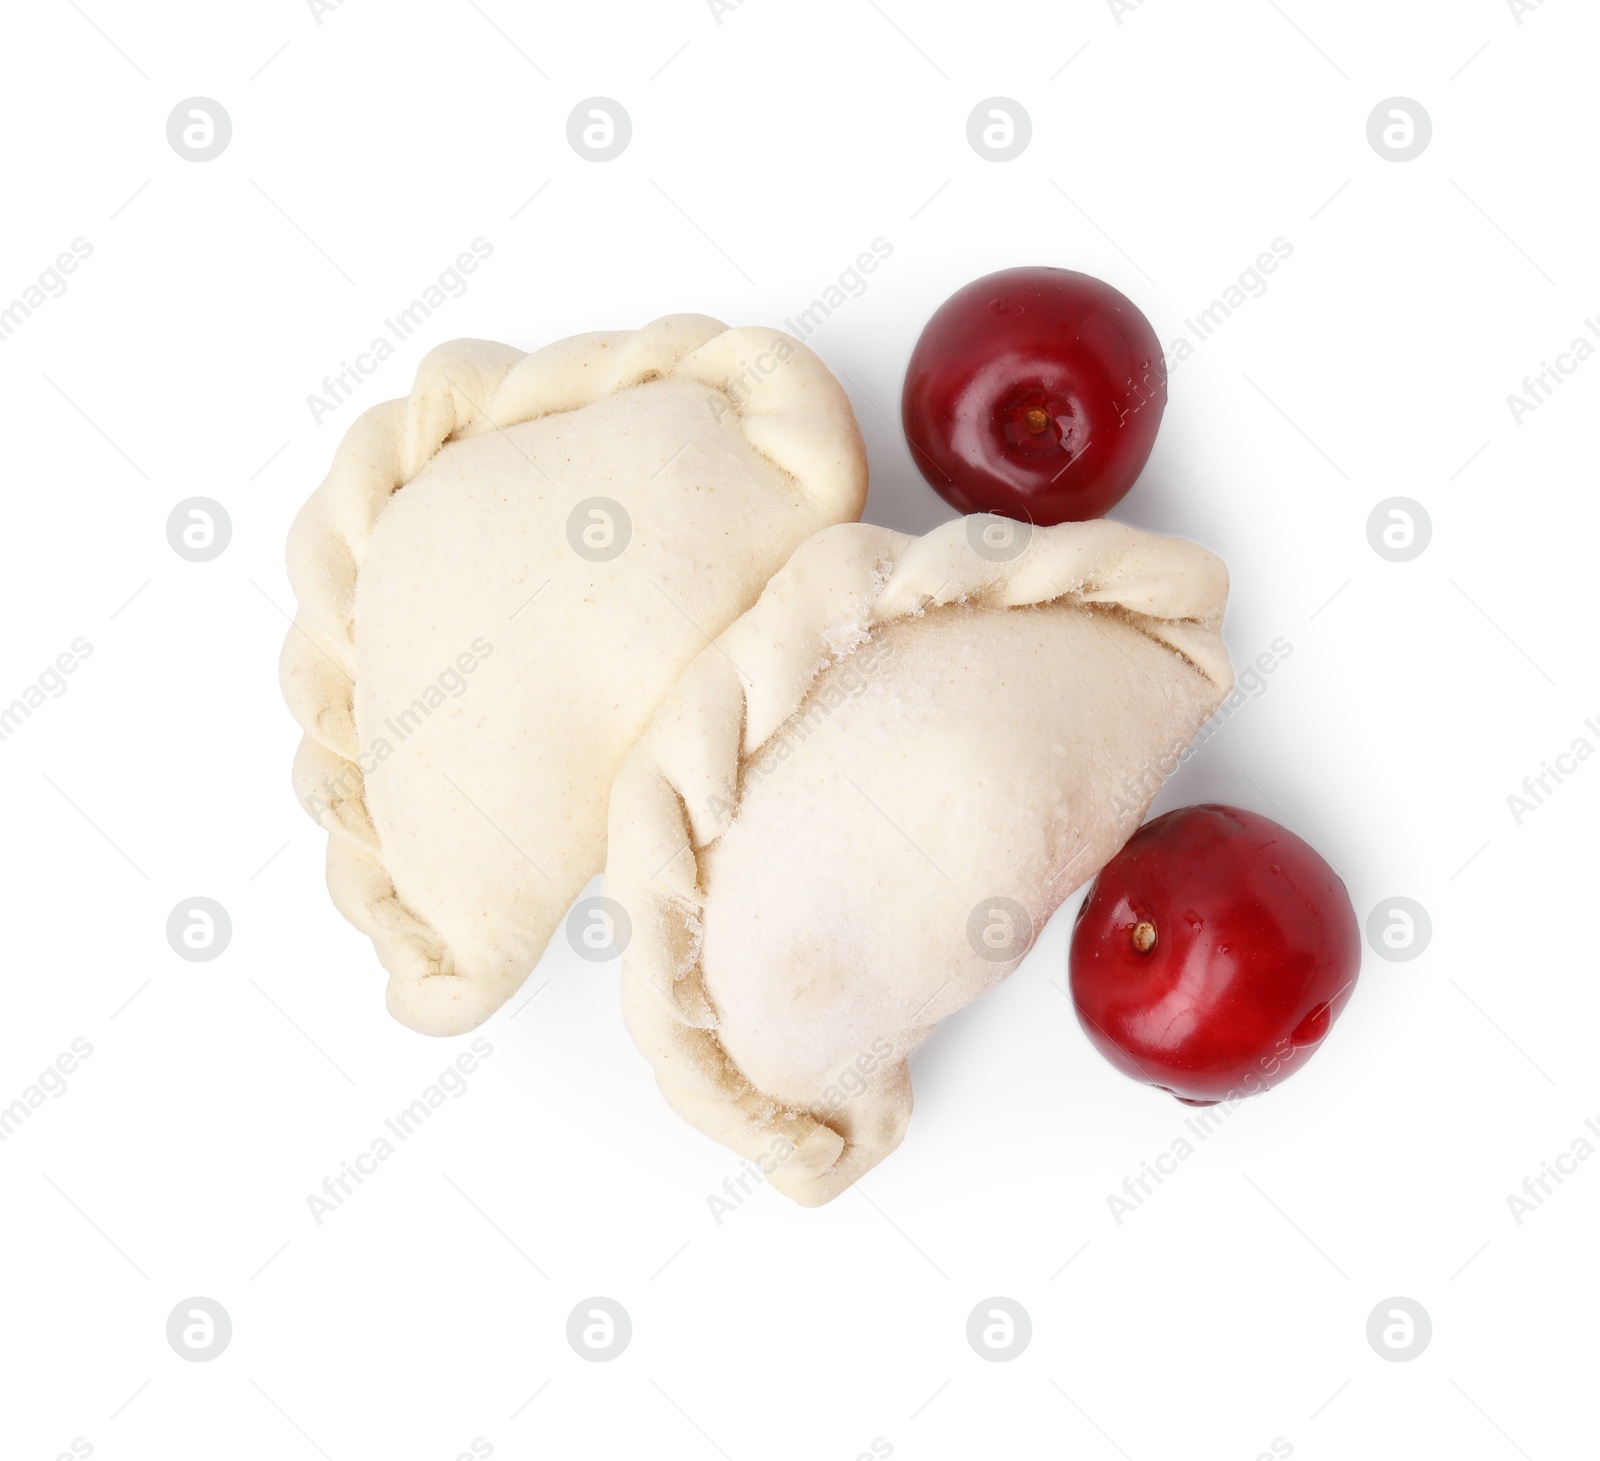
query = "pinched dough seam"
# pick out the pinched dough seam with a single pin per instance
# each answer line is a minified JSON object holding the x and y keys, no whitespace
{"x":466,"y":388}
{"x":671,"y":1013}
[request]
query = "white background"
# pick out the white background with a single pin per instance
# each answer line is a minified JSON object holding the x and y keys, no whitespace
{"x":1169,"y":148}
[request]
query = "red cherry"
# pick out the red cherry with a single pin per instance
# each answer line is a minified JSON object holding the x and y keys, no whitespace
{"x":1034,"y":393}
{"x":1213,"y":954}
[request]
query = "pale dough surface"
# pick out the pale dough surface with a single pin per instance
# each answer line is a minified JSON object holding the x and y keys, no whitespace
{"x":469,"y":680}
{"x":917,"y":742}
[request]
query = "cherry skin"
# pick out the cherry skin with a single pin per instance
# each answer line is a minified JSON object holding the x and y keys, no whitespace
{"x":1034,"y":393}
{"x":1213,"y":954}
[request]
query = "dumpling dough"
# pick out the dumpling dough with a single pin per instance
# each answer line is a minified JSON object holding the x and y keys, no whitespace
{"x":853,"y":814}
{"x":498,"y":584}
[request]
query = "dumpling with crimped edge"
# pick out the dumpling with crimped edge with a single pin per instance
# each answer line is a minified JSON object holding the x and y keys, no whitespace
{"x":498,"y":583}
{"x":853,"y":814}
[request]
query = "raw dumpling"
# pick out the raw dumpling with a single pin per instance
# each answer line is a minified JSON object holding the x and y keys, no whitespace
{"x":853,"y":814}
{"x":498,"y":583}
